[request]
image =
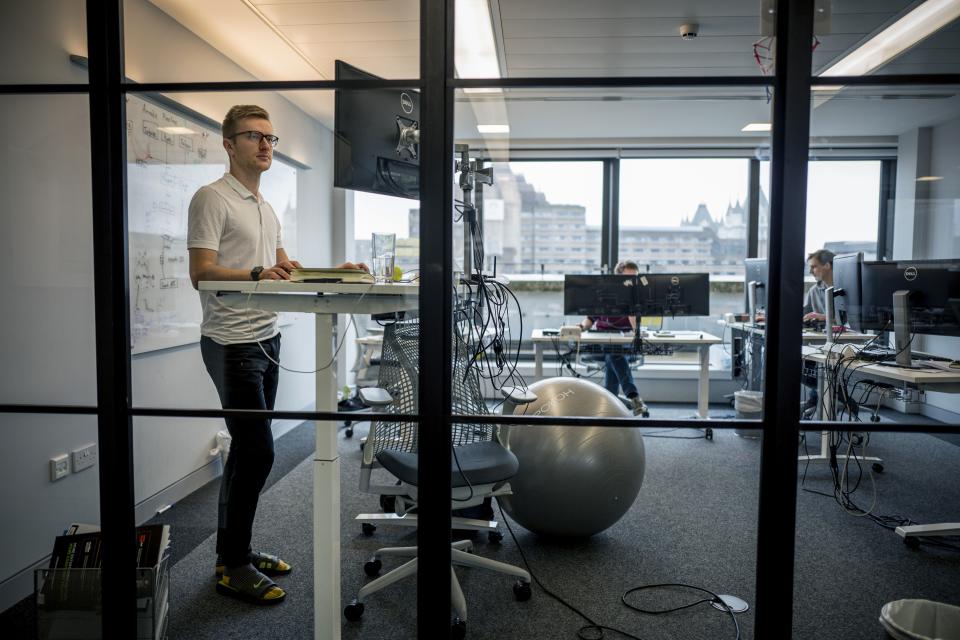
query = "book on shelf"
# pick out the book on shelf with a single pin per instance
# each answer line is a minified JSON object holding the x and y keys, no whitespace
{"x":72,"y":580}
{"x":342,"y":276}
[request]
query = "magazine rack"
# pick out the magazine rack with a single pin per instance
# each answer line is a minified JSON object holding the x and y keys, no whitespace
{"x":69,"y":604}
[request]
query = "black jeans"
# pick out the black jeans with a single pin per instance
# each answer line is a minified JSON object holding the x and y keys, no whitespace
{"x":245,"y":379}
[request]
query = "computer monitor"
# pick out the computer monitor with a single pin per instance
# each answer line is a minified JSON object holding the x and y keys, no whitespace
{"x":673,"y":294}
{"x":846,"y":285}
{"x":932,"y":290}
{"x":755,"y":284}
{"x":376,"y":137}
{"x":599,"y":295}
{"x":907,"y":297}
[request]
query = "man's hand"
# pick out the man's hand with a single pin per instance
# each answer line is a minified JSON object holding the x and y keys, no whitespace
{"x":813,"y":315}
{"x":351,"y":265}
{"x":276,"y":272}
{"x":288,"y":265}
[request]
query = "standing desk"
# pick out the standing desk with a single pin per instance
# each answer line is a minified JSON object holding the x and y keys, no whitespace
{"x":325,"y":301}
{"x":678,"y":338}
{"x":936,"y":379}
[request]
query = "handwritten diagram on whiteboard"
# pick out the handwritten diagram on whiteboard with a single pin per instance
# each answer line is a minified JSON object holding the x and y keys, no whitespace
{"x":169,"y":157}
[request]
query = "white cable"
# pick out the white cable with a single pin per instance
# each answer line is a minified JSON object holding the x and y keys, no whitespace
{"x":336,"y":352}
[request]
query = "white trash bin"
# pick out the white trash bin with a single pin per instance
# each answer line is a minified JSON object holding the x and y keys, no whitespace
{"x":749,"y":406}
{"x":920,"y":620}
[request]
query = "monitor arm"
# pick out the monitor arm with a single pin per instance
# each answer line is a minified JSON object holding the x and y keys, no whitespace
{"x":901,"y":327}
{"x":830,"y":313}
{"x":470,"y":176}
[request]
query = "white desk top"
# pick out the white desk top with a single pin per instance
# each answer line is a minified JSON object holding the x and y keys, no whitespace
{"x":285,"y":286}
{"x":613,"y":337}
{"x":807,"y":336}
{"x":920,"y":377}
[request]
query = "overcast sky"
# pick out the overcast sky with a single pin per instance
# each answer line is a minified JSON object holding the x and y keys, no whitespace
{"x":842,"y":201}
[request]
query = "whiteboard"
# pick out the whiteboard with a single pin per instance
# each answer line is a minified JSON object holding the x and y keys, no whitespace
{"x":171,"y":155}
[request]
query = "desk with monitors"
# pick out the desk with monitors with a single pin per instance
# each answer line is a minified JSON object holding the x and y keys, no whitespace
{"x":650,"y":294}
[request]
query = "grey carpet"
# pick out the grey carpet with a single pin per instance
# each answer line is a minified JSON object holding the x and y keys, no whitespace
{"x":694,"y":522}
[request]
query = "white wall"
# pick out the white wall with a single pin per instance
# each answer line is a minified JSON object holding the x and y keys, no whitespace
{"x":48,"y":346}
{"x":927,"y":220}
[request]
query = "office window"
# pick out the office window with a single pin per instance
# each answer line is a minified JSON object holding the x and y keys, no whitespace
{"x":843,"y":207}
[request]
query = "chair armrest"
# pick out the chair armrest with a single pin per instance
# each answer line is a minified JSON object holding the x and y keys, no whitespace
{"x":518,"y":395}
{"x":375,"y":397}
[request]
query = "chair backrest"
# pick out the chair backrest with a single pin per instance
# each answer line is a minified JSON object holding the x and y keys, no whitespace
{"x":399,"y":375}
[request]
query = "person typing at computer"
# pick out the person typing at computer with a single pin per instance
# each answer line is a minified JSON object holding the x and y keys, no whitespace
{"x":617,"y":373}
{"x":815,"y":302}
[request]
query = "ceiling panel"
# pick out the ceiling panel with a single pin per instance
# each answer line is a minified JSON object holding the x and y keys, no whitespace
{"x":302,"y":13}
{"x":361,"y":32}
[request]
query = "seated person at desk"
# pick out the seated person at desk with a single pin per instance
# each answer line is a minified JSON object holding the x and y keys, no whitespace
{"x":617,"y":373}
{"x":815,"y":302}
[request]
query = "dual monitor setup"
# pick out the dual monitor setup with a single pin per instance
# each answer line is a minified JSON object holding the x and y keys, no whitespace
{"x":906,"y":297}
{"x":648,"y":294}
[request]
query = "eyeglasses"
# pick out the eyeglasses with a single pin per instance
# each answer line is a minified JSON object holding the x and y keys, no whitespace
{"x":256,"y":136}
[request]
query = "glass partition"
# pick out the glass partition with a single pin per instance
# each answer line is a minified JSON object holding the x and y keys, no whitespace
{"x":517,"y":39}
{"x":895,"y":37}
{"x":47,"y":43}
{"x":50,"y":308}
{"x":182,"y":41}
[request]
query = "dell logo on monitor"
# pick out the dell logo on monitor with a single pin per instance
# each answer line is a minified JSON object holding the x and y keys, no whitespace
{"x":910,"y":274}
{"x":406,"y":103}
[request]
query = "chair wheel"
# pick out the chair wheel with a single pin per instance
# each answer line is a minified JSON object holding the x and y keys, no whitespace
{"x":494,"y":537}
{"x":372,"y":567}
{"x":388,"y":504}
{"x":353,"y":611}
{"x":368,"y":528}
{"x":708,"y":433}
{"x":522,"y":591}
{"x":348,"y":432}
{"x":458,"y":630}
{"x":878,"y":467}
{"x":645,"y":414}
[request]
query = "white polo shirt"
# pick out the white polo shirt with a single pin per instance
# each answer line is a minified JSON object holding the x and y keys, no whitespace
{"x":245,"y":232}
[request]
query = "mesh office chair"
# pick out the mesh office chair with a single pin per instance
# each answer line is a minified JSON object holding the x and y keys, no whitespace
{"x":480,"y":470}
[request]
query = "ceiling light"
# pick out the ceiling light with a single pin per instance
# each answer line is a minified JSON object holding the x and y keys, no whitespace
{"x":757,"y":126}
{"x":181,"y":131}
{"x":927,"y":18}
{"x":929,"y":178}
{"x":493,"y":128}
{"x":475,"y":55}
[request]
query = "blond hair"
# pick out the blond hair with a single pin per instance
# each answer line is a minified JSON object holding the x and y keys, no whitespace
{"x":237,"y":113}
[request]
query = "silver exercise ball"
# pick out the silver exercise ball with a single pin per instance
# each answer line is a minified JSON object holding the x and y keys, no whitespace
{"x":573,"y":481}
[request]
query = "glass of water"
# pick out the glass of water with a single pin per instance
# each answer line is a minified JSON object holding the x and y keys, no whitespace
{"x":384,"y":251}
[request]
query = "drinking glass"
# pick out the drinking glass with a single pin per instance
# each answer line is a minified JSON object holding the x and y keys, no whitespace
{"x":384,"y":251}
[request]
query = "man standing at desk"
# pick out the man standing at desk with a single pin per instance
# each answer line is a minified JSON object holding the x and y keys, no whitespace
{"x":815,"y":302}
{"x":234,"y":234}
{"x":616,"y":373}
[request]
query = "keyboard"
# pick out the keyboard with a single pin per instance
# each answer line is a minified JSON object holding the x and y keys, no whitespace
{"x":877,"y":353}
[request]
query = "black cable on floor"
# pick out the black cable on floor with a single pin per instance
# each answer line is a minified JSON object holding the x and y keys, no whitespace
{"x":597,"y":628}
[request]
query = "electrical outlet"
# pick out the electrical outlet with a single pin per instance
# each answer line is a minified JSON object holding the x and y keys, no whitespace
{"x":84,"y":457}
{"x":59,"y":467}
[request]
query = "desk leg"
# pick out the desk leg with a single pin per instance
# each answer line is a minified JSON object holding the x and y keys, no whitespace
{"x":537,"y":360}
{"x":703,"y":385}
{"x":326,"y":493}
{"x":825,"y":407}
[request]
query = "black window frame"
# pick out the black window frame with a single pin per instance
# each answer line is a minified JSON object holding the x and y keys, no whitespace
{"x":791,"y":85}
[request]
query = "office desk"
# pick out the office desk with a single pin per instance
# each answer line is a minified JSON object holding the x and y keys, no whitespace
{"x":324,"y":301}
{"x":679,"y":338}
{"x":757,"y":336}
{"x":935,"y":379}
